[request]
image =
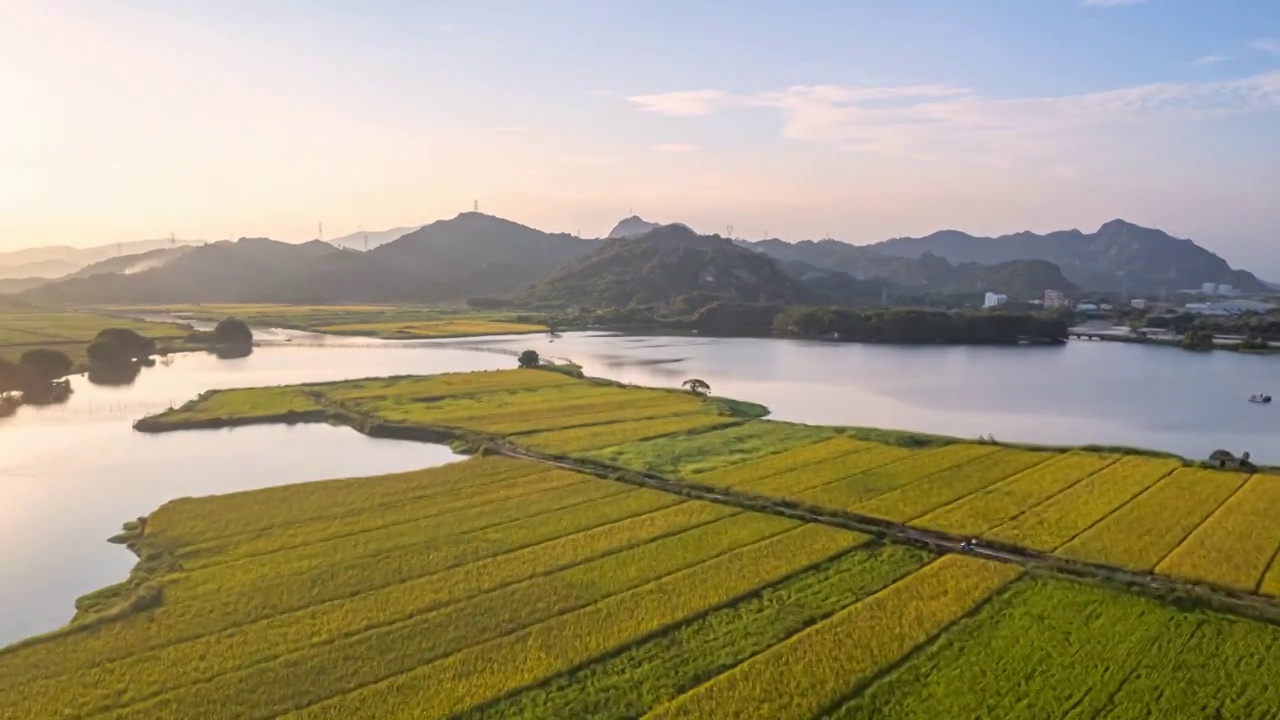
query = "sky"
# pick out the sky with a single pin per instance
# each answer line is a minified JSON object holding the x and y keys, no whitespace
{"x":854,"y":119}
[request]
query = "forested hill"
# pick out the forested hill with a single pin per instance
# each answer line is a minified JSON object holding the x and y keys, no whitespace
{"x":470,"y":255}
{"x":1119,"y":253}
{"x":670,"y":266}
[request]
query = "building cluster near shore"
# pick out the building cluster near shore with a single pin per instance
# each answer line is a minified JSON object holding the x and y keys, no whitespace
{"x":1229,"y":303}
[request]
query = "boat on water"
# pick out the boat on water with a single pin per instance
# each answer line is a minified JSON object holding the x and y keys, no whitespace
{"x":1260,"y":398}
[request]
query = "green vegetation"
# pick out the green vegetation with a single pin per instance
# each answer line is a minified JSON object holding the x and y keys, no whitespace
{"x":393,"y":322}
{"x":70,"y":333}
{"x":549,"y":578}
{"x":1046,"y":646}
{"x":920,"y":326}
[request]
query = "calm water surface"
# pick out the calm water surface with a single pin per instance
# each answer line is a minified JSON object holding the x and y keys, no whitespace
{"x":71,"y":474}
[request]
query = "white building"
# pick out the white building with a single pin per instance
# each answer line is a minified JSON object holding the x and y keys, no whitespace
{"x":1209,"y":288}
{"x":1138,"y":303}
{"x":994,"y":299}
{"x":1226,"y":290}
{"x":1054,"y":299}
{"x":1086,"y":307}
{"x":1229,"y":307}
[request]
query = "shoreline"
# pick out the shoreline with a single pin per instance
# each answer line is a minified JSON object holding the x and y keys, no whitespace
{"x":143,"y":588}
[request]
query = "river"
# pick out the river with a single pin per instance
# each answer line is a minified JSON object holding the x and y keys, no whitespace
{"x":70,"y":474}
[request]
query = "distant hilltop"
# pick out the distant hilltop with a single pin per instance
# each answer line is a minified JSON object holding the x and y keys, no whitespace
{"x":479,"y":256}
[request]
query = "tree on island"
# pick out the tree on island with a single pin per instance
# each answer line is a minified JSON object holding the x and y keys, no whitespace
{"x":234,"y":332}
{"x":117,"y":346}
{"x":45,"y":365}
{"x":530,"y":359}
{"x":697,"y":386}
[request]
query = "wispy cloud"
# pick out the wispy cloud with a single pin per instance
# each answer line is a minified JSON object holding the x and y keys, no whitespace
{"x":447,"y":28}
{"x":932,"y":121}
{"x":675,"y":148}
{"x":1110,"y":3}
{"x":1266,"y":45}
{"x":1208,"y":60}
{"x":686,"y":103}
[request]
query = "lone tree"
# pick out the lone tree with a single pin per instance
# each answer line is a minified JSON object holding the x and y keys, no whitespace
{"x":232,"y":331}
{"x":696,"y":386}
{"x":530,"y":359}
{"x":46,"y":365}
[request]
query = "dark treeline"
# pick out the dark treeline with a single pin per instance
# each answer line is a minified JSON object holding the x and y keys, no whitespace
{"x":886,"y":325}
{"x":920,"y":326}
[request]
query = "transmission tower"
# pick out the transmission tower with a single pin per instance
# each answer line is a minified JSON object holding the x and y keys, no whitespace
{"x":728,"y":229}
{"x":173,"y":239}
{"x":320,"y":230}
{"x":475,"y":206}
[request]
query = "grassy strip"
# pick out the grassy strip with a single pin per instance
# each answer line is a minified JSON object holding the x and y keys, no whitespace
{"x":580,"y":440}
{"x":932,"y":492}
{"x":1000,"y":503}
{"x":690,"y":455}
{"x":1150,"y":526}
{"x":284,"y":589}
{"x":112,"y":685}
{"x":813,"y":670}
{"x":659,"y":670}
{"x":1045,"y":648}
{"x":266,"y":690}
{"x":489,"y":671}
{"x":822,"y":473}
{"x":801,"y":457}
{"x":1056,"y":521}
{"x":1237,"y":544}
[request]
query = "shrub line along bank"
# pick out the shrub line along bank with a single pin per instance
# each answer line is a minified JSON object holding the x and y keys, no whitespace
{"x":1181,"y":592}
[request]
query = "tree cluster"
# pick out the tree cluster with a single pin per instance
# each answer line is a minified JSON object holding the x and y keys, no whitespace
{"x":912,"y":326}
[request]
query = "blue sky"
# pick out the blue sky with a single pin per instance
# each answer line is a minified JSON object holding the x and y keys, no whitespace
{"x":862,"y":120}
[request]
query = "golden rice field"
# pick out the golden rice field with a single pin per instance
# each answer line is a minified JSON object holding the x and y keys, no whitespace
{"x":499,"y":587}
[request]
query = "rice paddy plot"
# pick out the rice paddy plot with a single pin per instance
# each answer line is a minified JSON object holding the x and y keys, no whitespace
{"x":492,"y":670}
{"x":906,"y":468}
{"x":1057,"y":520}
{"x":818,"y":667}
{"x":999,"y":503}
{"x":663,"y":667}
{"x":1150,"y":526}
{"x":689,"y":455}
{"x":933,"y":491}
{"x":1058,"y":649}
{"x":1238,"y":543}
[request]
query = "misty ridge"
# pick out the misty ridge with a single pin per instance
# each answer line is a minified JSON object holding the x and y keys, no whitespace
{"x":475,"y":255}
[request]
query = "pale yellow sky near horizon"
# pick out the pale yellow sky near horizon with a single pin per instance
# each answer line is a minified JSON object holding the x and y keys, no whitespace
{"x":124,"y":124}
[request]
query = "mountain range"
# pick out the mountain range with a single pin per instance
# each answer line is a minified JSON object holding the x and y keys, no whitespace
{"x":54,"y":261}
{"x":477,"y":255}
{"x":470,"y":255}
